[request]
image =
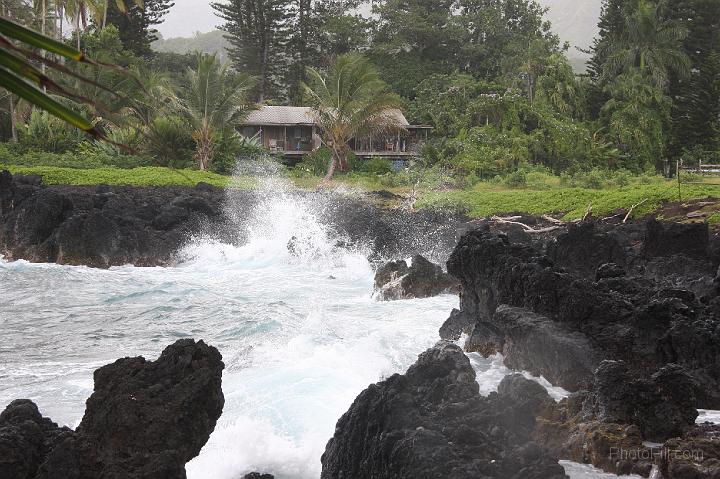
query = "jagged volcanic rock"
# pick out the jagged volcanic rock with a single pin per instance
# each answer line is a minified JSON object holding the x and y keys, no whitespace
{"x":432,"y":422}
{"x":662,"y":406}
{"x":627,"y":315}
{"x":100,"y":226}
{"x":643,"y":321}
{"x":26,"y":438}
{"x":695,"y":456}
{"x":422,"y":279}
{"x":104,"y":226}
{"x":146,"y":419}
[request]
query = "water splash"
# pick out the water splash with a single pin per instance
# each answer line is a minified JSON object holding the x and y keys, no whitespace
{"x":290,"y":309}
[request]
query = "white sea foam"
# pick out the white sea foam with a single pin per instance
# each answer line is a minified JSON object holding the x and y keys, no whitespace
{"x":491,"y":371}
{"x":299,"y":332}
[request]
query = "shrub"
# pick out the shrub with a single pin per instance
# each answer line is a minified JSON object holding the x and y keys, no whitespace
{"x":46,"y":133}
{"x":233,"y":148}
{"x":78,"y":159}
{"x":376,"y":166}
{"x":169,"y":142}
{"x":593,"y":180}
{"x":315,"y":163}
{"x":448,"y":204}
{"x":517,"y":179}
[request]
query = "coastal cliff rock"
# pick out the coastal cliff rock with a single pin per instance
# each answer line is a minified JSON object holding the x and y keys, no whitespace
{"x":421,"y":279}
{"x":561,"y":322}
{"x":696,"y":455}
{"x":103,"y":226}
{"x":431,"y":422}
{"x":626,"y":316}
{"x":146,"y":419}
{"x":100,"y":226}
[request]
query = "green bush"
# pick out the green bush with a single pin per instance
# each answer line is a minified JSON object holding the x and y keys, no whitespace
{"x":81,"y":159}
{"x":592,"y":180}
{"x":516,"y":179}
{"x":233,"y":148}
{"x":447,"y":204}
{"x":47,"y":133}
{"x":169,"y":142}
{"x":376,"y":166}
{"x":315,"y":163}
{"x":144,"y":176}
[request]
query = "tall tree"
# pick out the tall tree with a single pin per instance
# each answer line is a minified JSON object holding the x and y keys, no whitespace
{"x":136,"y":25}
{"x":258,"y":33}
{"x":338,"y":29}
{"x":610,"y":26}
{"x":697,"y":97}
{"x":499,"y":30}
{"x":350,"y":101}
{"x":637,"y":117}
{"x":413,"y":39}
{"x":213,"y":100}
{"x":651,"y":42}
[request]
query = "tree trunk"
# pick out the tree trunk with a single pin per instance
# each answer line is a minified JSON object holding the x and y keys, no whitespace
{"x":13,"y":120}
{"x":60,"y":14}
{"x":331,"y":169}
{"x":77,"y":29}
{"x":43,"y":27}
{"x":264,"y":69}
{"x":204,"y":148}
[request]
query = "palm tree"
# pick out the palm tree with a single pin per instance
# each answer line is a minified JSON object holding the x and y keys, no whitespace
{"x":350,"y":101}
{"x":651,"y":43}
{"x":213,"y":100}
{"x":637,"y":116}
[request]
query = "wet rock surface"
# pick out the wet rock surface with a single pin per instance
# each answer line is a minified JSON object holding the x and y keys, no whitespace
{"x":431,"y":422}
{"x":421,"y":279}
{"x":100,"y":226}
{"x":517,"y":291}
{"x":103,"y":226}
{"x":625,"y":315}
{"x":146,"y":419}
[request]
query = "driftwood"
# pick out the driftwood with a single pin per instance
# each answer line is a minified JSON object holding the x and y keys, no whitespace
{"x":632,"y":208}
{"x":611,"y":217}
{"x":528,"y":229}
{"x":553,"y":220}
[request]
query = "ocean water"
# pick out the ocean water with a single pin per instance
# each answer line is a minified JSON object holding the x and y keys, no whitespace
{"x":300,"y":335}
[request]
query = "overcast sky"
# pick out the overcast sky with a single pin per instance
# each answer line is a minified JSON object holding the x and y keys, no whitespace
{"x":188,"y":17}
{"x":575,"y":20}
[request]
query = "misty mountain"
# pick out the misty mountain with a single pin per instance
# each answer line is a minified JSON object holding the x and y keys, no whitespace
{"x":211,"y":42}
{"x":575,"y":21}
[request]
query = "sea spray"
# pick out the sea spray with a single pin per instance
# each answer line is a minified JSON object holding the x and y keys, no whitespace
{"x":300,"y":334}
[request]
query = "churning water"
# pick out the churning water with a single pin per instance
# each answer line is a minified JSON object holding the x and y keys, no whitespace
{"x":299,"y":332}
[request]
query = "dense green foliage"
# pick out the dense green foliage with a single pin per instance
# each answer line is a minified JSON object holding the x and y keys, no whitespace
{"x":142,"y":176}
{"x":509,"y":113}
{"x":572,"y":202}
{"x":177,"y":118}
{"x":136,"y":25}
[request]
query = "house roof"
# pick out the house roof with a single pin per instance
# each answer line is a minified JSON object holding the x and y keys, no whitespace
{"x":297,"y":115}
{"x":280,"y":115}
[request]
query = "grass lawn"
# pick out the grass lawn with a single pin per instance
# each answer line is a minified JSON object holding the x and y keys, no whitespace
{"x":143,"y":176}
{"x":485,"y":200}
{"x":482,"y":200}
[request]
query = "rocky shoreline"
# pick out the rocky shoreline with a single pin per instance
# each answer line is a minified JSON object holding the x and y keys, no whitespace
{"x":145,"y":419}
{"x":104,"y":226}
{"x":624,"y":316}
